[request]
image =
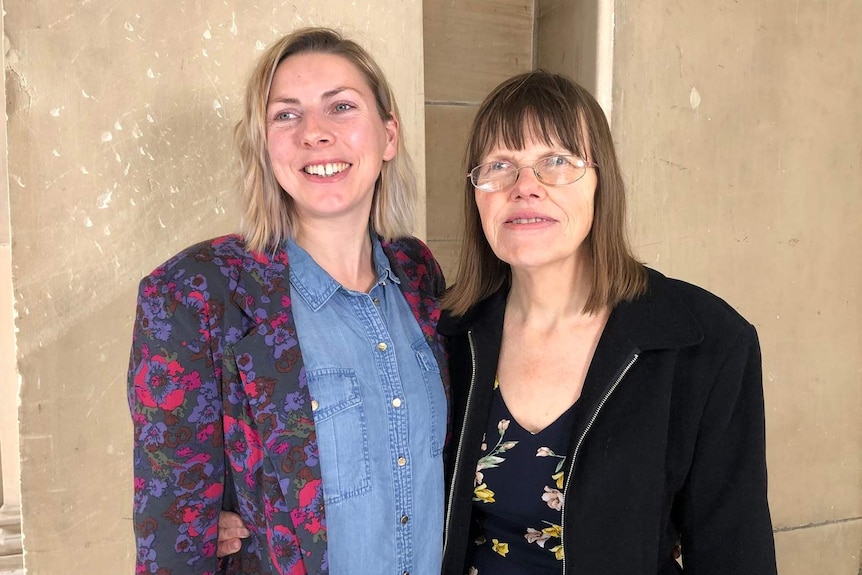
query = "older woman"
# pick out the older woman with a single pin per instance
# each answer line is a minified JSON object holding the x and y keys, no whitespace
{"x":604,"y":415}
{"x":296,"y":366}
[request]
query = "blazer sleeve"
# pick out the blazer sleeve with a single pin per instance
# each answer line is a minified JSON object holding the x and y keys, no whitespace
{"x":173,"y":393}
{"x":723,"y":514}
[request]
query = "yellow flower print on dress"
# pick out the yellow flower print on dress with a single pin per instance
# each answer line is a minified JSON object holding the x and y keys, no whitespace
{"x":558,"y":552}
{"x":499,"y":548}
{"x":483,"y":494}
{"x":558,"y":477}
{"x":553,"y":531}
{"x":541,"y":537}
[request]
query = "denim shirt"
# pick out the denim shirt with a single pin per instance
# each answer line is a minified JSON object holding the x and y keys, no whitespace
{"x":380,"y":415}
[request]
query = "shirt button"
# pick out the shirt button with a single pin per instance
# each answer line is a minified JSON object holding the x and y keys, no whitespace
{"x":314,"y":405}
{"x":376,"y":300}
{"x":404,"y":519}
{"x":382,"y":346}
{"x":402,"y":461}
{"x":396,"y":402}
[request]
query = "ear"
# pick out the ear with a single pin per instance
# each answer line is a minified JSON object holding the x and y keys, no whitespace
{"x":391,"y":127}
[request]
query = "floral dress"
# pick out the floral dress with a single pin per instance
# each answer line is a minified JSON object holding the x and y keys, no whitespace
{"x":517,"y":496}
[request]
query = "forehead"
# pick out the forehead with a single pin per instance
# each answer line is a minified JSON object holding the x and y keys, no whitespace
{"x":317,"y":71}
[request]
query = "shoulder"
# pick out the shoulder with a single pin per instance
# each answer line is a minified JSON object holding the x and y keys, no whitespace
{"x":675,"y":313}
{"x":710,"y":310}
{"x":416,"y":263}
{"x":203,"y":254}
{"x":410,"y":250}
{"x":221,"y":257}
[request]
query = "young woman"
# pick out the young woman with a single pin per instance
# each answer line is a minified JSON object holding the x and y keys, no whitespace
{"x":604,"y":414}
{"x":296,"y":366}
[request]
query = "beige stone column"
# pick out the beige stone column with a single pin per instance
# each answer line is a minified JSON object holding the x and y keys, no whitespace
{"x":119,"y":129}
{"x":11,"y":555}
{"x":738,"y":126}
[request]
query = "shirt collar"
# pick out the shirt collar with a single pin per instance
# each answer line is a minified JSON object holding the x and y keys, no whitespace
{"x":315,"y":285}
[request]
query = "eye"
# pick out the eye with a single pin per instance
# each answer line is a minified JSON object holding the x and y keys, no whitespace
{"x":284,"y":116}
{"x":558,"y":161}
{"x":498,"y":166}
{"x":343,"y":107}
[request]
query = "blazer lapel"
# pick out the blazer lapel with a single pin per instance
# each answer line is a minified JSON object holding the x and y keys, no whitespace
{"x":269,"y":424}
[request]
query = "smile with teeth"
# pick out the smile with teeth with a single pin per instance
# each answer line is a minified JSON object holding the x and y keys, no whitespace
{"x":325,"y":170}
{"x":528,"y":220}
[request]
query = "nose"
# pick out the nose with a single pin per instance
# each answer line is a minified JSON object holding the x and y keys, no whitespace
{"x":314,"y":131}
{"x":527,"y":184}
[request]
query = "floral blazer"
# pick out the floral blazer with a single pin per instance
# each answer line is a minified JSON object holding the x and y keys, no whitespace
{"x":221,"y":409}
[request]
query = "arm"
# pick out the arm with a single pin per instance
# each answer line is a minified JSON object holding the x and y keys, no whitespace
{"x":177,"y":419}
{"x":722,"y":511}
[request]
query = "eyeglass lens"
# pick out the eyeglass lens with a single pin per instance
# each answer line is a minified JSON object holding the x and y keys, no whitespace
{"x":553,"y":171}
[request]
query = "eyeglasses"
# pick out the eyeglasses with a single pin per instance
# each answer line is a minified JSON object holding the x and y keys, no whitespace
{"x":552,"y":171}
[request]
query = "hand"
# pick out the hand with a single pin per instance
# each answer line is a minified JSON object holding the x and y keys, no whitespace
{"x":231,"y":530}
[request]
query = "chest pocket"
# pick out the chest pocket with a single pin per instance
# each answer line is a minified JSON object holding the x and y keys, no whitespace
{"x":436,"y":396}
{"x":342,"y":434}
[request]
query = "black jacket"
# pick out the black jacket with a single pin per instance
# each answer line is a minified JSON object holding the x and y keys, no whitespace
{"x":667,"y":445}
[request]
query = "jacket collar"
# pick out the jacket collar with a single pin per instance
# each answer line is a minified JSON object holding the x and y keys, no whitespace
{"x":658,"y":319}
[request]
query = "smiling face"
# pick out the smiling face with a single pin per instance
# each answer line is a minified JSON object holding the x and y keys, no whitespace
{"x":532,"y":225}
{"x":325,"y":138}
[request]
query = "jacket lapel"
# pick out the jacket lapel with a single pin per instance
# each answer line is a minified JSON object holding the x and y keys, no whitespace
{"x":269,"y":428}
{"x":422,"y":288}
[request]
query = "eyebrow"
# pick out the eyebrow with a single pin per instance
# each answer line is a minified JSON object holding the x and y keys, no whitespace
{"x":326,"y":95}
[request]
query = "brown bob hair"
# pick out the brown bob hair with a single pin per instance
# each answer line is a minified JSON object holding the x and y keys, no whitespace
{"x":552,"y":109}
{"x":268,"y":211}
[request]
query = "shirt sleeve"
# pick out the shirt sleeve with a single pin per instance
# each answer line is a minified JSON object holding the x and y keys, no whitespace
{"x":723,"y":512}
{"x":173,"y":392}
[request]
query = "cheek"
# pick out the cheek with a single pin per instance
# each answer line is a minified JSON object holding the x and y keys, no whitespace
{"x":278,"y":147}
{"x":279,"y":156}
{"x":486,"y":217}
{"x":580,"y":216}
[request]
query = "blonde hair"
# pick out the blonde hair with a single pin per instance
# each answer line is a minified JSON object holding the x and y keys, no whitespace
{"x":269,"y":216}
{"x":551,"y":109}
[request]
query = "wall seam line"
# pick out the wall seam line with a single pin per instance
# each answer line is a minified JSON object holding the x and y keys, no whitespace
{"x":813,"y":525}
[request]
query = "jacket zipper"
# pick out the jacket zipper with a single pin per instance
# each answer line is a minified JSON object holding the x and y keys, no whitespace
{"x":577,"y":449}
{"x":446,"y":528}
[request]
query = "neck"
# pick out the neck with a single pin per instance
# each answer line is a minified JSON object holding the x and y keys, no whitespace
{"x":542,"y":298}
{"x":343,"y":251}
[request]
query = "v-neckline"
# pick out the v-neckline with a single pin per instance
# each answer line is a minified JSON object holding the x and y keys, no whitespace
{"x":514,"y":420}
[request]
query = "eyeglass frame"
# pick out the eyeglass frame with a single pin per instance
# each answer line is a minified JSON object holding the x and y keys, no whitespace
{"x":586,"y":164}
